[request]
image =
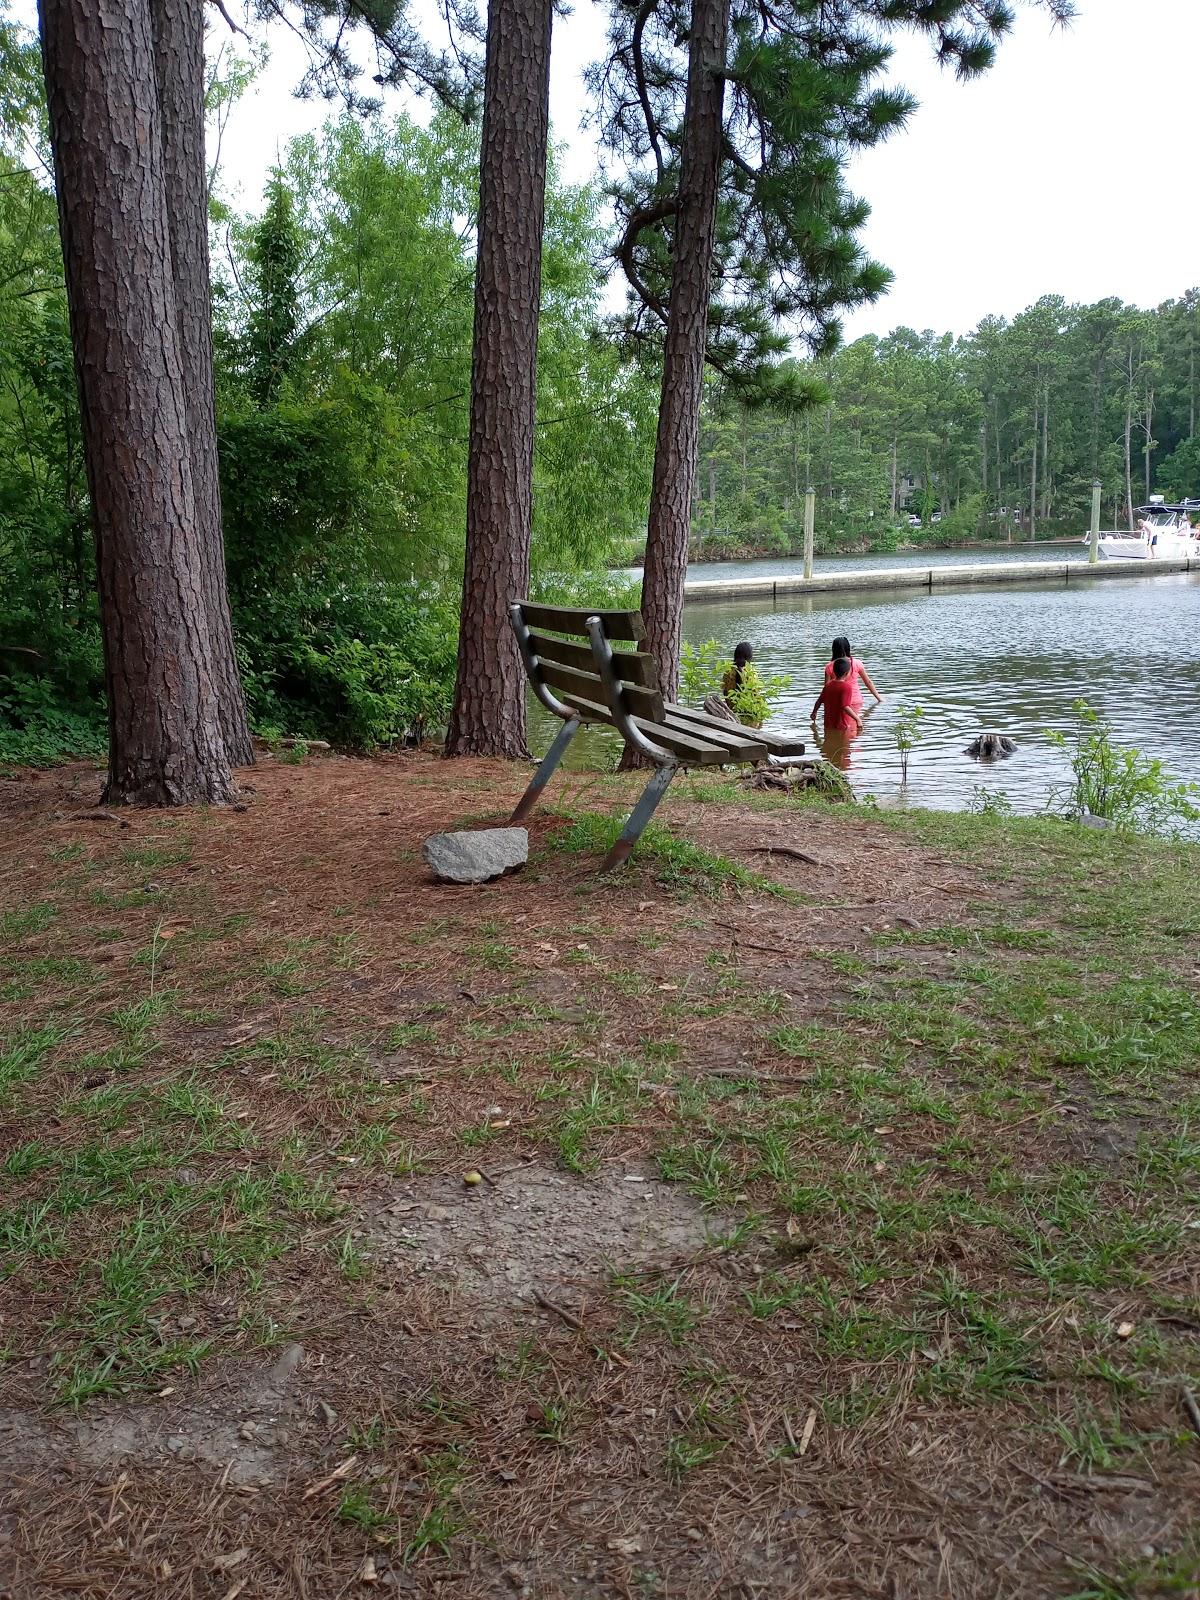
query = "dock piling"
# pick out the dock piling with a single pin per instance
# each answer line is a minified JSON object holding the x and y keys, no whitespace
{"x":1094,"y":542}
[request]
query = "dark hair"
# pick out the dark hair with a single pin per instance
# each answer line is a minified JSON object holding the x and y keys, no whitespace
{"x":742,"y":654}
{"x":841,"y":667}
{"x":841,"y":647}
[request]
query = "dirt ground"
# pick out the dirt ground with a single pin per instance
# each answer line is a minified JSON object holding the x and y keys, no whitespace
{"x":741,"y":1224}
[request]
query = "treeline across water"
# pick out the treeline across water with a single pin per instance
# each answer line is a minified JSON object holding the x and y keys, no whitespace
{"x":999,"y":434}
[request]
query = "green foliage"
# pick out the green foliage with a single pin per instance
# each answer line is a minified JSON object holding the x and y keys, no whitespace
{"x":1123,"y":787}
{"x":342,"y":337}
{"x":702,"y":672}
{"x":985,"y":802}
{"x":803,"y":91}
{"x":38,"y":730}
{"x":275,"y":256}
{"x":1179,"y":474}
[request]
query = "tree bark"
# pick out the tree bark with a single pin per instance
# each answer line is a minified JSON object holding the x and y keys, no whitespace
{"x":1033,"y":477}
{"x":1149,"y":426}
{"x":178,"y":27}
{"x":489,"y":694}
{"x":1129,"y":443}
{"x":165,"y":740}
{"x":676,"y":444}
{"x":1047,"y":483}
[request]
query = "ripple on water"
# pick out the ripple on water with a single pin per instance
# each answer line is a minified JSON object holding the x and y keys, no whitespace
{"x":1012,"y":658}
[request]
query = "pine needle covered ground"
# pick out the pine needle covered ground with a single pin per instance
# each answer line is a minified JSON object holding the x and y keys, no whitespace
{"x":837,"y":1229}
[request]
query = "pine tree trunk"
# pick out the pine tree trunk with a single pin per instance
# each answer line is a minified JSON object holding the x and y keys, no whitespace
{"x":687,"y":331}
{"x":1033,"y":466}
{"x":489,"y":694}
{"x":1149,"y":438}
{"x":165,"y":740}
{"x":1129,"y":446}
{"x":179,"y":72}
{"x":1047,"y":486}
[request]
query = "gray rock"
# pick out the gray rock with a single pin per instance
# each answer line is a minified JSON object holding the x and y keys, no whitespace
{"x":475,"y":856}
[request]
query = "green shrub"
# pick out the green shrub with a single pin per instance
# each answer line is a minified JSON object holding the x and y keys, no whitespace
{"x":363,"y":664}
{"x":1124,"y":787}
{"x":702,"y":672}
{"x":37,"y":729}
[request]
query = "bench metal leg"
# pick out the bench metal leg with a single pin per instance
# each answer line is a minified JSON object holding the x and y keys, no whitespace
{"x":545,"y":770}
{"x":640,"y":816}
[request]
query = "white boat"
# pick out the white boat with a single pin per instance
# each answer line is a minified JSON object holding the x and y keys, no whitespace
{"x":1163,"y":533}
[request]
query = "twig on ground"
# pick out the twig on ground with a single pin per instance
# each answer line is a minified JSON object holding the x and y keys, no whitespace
{"x":788,"y":850}
{"x":1192,"y":1409}
{"x":751,"y":1072}
{"x":1119,"y":1482}
{"x":806,"y":1437}
{"x":1045,"y":1111}
{"x":336,"y":1476}
{"x":569,"y":1317}
{"x":740,"y":932}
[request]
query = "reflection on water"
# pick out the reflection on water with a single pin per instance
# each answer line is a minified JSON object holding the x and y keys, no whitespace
{"x":1009,"y":658}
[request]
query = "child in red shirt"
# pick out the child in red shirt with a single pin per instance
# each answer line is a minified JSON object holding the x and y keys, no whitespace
{"x":837,"y":698}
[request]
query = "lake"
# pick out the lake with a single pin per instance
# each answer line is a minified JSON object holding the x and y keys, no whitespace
{"x":1012,"y":657}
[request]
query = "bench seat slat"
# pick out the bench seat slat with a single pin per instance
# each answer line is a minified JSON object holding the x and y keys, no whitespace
{"x":694,"y":748}
{"x":779,"y":744}
{"x":711,"y":750}
{"x":639,"y":701}
{"x":570,"y":619}
{"x":740,"y":742}
{"x":629,"y":665}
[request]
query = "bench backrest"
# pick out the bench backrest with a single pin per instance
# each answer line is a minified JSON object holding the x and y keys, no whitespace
{"x":570,"y":677}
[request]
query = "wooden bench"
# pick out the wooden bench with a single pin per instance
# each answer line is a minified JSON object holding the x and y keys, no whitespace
{"x":593,"y":683}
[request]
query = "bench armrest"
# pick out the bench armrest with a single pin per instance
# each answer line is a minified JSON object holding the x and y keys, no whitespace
{"x":539,"y":686}
{"x":626,"y":726}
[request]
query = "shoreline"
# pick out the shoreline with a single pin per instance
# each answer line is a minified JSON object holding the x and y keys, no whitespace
{"x":922,"y":577}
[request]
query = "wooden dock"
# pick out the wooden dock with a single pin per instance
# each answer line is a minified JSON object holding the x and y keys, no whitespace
{"x":918,"y":576}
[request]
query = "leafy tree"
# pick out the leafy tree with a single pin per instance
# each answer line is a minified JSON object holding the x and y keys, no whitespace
{"x":274,"y":262}
{"x":736,"y":228}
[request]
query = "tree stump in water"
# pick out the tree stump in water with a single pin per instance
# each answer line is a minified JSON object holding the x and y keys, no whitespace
{"x":990,"y":746}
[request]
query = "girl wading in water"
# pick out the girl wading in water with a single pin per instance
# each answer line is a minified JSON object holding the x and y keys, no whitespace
{"x":743,"y":655}
{"x":860,"y":678}
{"x":742,"y":689}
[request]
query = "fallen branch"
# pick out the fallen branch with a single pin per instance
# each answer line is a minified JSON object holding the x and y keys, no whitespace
{"x":569,"y":1317}
{"x":751,"y":1072}
{"x":789,"y":850}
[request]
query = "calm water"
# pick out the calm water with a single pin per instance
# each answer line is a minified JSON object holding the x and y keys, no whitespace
{"x":1011,"y":658}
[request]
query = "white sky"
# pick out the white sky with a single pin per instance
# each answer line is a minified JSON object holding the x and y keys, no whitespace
{"x":1069,"y":168}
